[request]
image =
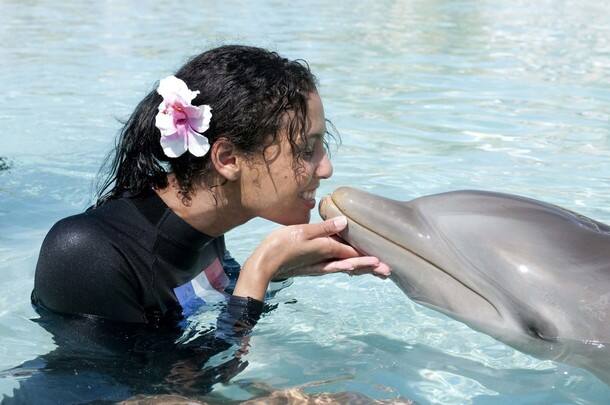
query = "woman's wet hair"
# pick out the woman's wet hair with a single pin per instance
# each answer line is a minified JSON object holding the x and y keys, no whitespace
{"x":253,"y":92}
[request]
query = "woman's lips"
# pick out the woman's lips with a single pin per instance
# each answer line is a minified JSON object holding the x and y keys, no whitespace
{"x":309,"y":197}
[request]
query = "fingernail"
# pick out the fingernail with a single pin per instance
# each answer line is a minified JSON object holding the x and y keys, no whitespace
{"x":383,"y":270}
{"x":340,"y":222}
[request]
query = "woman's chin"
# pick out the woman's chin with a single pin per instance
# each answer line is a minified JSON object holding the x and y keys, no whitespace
{"x":299,"y":212}
{"x":293,"y":219}
{"x":298,"y":221}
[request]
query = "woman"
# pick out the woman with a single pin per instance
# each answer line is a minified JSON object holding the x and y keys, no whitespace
{"x":237,"y":133}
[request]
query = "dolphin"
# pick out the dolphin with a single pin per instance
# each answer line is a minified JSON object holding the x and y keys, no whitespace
{"x":530,"y":274}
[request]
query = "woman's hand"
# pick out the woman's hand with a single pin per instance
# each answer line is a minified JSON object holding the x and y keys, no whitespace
{"x":303,"y":250}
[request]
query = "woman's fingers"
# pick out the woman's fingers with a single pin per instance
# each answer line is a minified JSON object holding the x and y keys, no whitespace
{"x":382,"y":270}
{"x":323,"y":238}
{"x":359,"y":265}
{"x":351,"y":264}
{"x":324,"y":228}
{"x":333,"y":249}
{"x":354,"y":266}
{"x":379,"y":269}
{"x":317,"y":249}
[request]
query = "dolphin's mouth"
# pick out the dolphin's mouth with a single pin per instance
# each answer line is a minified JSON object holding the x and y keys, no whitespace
{"x":392,"y":241}
{"x":423,"y":299}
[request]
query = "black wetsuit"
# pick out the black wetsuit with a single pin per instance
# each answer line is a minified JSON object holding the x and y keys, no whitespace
{"x":112,"y":286}
{"x":134,"y":260}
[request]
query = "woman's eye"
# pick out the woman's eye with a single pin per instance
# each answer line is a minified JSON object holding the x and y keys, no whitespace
{"x":311,"y":149}
{"x":309,"y":152}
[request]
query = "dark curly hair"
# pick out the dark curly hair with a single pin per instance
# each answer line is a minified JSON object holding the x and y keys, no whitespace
{"x":250,"y":91}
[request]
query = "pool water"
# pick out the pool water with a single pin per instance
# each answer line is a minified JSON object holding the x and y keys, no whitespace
{"x":428,"y":95}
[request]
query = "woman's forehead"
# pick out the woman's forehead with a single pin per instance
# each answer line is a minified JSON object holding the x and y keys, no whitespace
{"x":315,"y":115}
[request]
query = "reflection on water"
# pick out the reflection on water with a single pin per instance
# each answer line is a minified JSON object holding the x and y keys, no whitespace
{"x":96,"y":359}
{"x":292,"y":396}
{"x":429,"y":96}
{"x":5,"y":164}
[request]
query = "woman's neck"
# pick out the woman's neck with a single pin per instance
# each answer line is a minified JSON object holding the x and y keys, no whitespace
{"x":213,"y":211}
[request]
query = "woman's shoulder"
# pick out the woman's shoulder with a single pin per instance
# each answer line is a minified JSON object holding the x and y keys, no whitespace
{"x":93,"y":238}
{"x":98,"y":228}
{"x":74,"y":247}
{"x":81,"y":271}
{"x":75,"y":234}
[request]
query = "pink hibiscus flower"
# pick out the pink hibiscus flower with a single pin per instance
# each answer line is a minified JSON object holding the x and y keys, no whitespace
{"x":180,"y":122}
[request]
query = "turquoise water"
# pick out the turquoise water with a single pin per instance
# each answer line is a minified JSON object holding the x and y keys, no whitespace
{"x":429,"y":96}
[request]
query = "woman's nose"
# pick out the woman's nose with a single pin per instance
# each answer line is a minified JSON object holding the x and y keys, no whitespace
{"x":325,"y":168}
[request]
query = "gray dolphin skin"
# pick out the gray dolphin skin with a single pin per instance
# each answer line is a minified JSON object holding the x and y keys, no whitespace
{"x":532,"y":275}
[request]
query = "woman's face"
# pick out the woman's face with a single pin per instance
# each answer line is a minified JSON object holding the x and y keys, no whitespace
{"x":273,"y":189}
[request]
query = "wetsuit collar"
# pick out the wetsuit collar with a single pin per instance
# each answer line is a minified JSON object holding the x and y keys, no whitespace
{"x":167,"y":222}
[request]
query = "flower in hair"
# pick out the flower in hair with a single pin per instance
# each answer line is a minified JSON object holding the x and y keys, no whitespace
{"x":180,"y":122}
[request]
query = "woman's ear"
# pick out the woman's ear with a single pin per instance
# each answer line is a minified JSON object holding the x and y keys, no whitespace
{"x":225,"y":159}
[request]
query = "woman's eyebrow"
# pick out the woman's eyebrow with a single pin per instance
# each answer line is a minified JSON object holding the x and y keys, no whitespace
{"x":319,"y":135}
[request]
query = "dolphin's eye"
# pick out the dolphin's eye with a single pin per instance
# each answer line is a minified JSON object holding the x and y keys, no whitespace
{"x":537,"y":325}
{"x":534,"y":332}
{"x":537,"y":333}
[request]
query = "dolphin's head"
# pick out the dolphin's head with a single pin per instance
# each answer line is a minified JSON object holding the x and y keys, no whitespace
{"x":528,"y":273}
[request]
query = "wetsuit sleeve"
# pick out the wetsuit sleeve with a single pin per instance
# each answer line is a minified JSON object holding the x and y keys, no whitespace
{"x":238,"y":318}
{"x":80,"y":271}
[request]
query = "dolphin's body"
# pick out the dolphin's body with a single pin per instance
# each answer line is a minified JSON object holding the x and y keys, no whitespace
{"x":530,"y":274}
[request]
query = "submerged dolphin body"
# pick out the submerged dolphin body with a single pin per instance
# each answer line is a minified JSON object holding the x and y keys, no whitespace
{"x":530,"y":274}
